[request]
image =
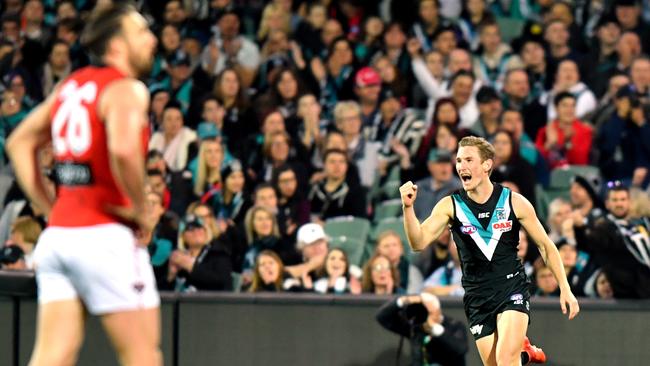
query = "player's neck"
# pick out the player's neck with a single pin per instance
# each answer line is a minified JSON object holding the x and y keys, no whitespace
{"x":121,"y":64}
{"x":482,"y":192}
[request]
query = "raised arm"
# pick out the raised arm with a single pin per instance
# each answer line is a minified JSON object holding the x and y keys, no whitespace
{"x":123,"y":106}
{"x":421,"y":235}
{"x":23,"y":146}
{"x":528,"y":219}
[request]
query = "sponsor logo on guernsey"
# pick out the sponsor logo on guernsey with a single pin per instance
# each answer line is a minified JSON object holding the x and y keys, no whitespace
{"x":517,"y":299}
{"x":500,"y":214}
{"x":483,"y":215}
{"x":477,"y":329}
{"x":468,"y":229}
{"x":502,"y":226}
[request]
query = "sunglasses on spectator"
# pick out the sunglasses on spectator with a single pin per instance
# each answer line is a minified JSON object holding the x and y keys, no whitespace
{"x":380,"y":267}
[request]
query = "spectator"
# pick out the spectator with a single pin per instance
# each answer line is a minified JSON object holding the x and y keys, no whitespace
{"x":440,"y":182}
{"x":620,"y":245}
{"x":379,"y":277}
{"x":441,"y":340}
{"x":516,"y":95}
{"x":533,"y":56}
{"x":12,"y":113}
{"x":510,"y":167}
{"x":12,"y":258}
{"x":559,"y":210}
{"x":174,"y":139}
{"x":24,"y":234}
{"x":269,"y":274}
{"x":602,"y":289}
{"x":175,"y":187}
{"x":603,"y":52}
{"x":624,"y":142}
{"x":474,"y":13}
{"x":333,"y":196}
{"x":370,"y":39}
{"x":445,"y":113}
{"x":197,"y":264}
{"x":490,"y":107}
{"x":607,"y":104}
{"x":628,"y":15}
{"x":312,"y":243}
{"x":522,"y":253}
{"x":556,"y":34}
{"x":292,"y":204}
{"x":334,"y":277}
{"x":312,"y":128}
{"x":446,"y":280}
{"x":566,"y":140}
{"x":262,"y":233}
{"x":239,"y":120}
{"x":493,"y":57}
{"x":367,"y":88}
{"x":170,"y":43}
{"x":228,"y":48}
{"x":512,"y":121}
{"x":461,"y":85}
{"x":335,"y":76}
{"x":434,"y":256}
{"x":584,"y":199}
{"x":278,"y":151}
{"x":348,"y":120}
{"x":159,"y":99}
{"x":231,"y":204}
{"x":545,"y":282}
{"x":58,"y":66}
{"x":308,"y":33}
{"x":389,"y":244}
{"x":567,"y":79}
{"x":628,"y":48}
{"x":207,"y":176}
{"x":212,"y":112}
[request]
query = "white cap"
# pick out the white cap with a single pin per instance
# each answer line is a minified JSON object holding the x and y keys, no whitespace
{"x":308,"y":234}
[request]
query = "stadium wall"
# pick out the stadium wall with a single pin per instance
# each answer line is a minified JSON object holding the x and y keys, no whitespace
{"x":305,"y":329}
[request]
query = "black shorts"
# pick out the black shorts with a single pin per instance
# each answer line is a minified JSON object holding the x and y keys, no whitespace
{"x":484,"y":304}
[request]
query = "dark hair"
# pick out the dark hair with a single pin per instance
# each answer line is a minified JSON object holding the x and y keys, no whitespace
{"x":561,"y":96}
{"x":104,"y":24}
{"x":458,"y":74}
{"x":55,"y":43}
{"x":334,"y":151}
{"x":322,"y":271}
{"x":514,"y":145}
{"x":276,"y":98}
{"x":72,"y":24}
{"x":261,"y":186}
{"x":275,"y":179}
{"x":439,"y":103}
{"x":172,"y":104}
{"x":154,"y":154}
{"x":241,"y":101}
{"x":615,"y":186}
{"x":154,"y":173}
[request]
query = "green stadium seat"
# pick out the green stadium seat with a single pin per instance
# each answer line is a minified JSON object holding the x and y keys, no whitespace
{"x":348,"y":226}
{"x":353,"y":248}
{"x":561,"y":177}
{"x":388,"y":209}
{"x":396,"y":224}
{"x":510,"y":28}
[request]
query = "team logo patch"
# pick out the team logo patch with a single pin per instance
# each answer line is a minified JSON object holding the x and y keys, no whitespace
{"x":502,"y":226}
{"x":500,"y":214}
{"x":468,"y":229}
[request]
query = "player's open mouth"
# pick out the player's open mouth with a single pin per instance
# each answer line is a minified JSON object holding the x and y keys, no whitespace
{"x":466,"y":177}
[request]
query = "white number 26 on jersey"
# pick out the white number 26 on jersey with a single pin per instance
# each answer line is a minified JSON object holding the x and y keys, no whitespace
{"x":71,"y":124}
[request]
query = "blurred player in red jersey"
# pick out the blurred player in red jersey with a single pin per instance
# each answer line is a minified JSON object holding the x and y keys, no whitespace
{"x":88,"y":258}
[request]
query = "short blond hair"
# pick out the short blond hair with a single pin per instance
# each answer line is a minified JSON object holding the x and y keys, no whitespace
{"x":485,"y":149}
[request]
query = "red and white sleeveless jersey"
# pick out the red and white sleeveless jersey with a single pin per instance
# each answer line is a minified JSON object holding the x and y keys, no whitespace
{"x":86,"y":186}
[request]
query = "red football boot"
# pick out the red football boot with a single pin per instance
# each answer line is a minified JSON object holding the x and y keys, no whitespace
{"x":535,"y":354}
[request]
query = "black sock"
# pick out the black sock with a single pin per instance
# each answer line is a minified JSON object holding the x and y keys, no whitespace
{"x":524,"y":358}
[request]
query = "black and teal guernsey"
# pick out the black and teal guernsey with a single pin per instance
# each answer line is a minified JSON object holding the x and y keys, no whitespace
{"x":494,"y":280}
{"x":487,"y":236}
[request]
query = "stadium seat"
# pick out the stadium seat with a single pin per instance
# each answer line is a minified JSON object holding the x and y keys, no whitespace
{"x":510,"y":28}
{"x":348,"y":226}
{"x":561,"y":177}
{"x":388,"y":209}
{"x":352,"y":247}
{"x":236,"y":281}
{"x":396,"y":224}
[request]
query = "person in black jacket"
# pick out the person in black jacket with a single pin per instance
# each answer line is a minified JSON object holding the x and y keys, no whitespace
{"x":619,"y":244}
{"x":198,"y":264}
{"x":333,"y":196}
{"x":434,"y":338}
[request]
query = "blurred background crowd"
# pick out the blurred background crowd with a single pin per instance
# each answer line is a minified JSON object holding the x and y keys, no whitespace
{"x":281,"y":131}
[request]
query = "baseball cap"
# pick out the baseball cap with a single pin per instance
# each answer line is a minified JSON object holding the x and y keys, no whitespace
{"x":309,"y":233}
{"x":178,"y":58}
{"x":439,"y":156}
{"x":367,"y":76}
{"x":207,"y":130}
{"x":486,"y":94}
{"x":11,"y":254}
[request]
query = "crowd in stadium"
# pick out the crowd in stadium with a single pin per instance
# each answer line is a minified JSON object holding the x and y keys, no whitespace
{"x":281,"y":131}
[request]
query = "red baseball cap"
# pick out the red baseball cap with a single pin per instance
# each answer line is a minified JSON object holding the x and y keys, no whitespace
{"x":367,"y":76}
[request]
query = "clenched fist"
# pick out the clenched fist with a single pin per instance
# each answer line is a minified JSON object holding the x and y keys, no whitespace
{"x":408,"y":191}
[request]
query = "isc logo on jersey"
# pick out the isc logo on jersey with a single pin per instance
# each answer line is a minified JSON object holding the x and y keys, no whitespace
{"x":468,"y":229}
{"x":502,"y":226}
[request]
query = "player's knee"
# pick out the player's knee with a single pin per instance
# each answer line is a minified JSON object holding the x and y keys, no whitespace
{"x":509,"y":358}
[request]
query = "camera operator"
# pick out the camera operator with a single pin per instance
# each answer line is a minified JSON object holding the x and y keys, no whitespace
{"x":435,"y":339}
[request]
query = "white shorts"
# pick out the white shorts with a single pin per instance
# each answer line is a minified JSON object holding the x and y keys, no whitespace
{"x":101,"y":265}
